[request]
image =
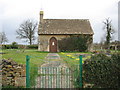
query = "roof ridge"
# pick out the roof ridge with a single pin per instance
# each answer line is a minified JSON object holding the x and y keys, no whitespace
{"x":66,"y":26}
{"x":66,"y":19}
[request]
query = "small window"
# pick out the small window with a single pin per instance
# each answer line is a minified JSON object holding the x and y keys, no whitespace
{"x":53,"y":43}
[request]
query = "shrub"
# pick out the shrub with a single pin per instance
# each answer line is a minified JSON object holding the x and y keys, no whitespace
{"x":32,"y":46}
{"x":6,"y":46}
{"x":102,"y":71}
{"x":14,"y":45}
{"x":74,"y":43}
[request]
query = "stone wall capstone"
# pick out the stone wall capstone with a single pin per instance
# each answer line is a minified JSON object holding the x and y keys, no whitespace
{"x":13,"y":74}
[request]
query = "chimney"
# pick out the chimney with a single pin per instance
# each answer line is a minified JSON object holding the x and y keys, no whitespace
{"x":40,"y":22}
{"x":41,"y":16}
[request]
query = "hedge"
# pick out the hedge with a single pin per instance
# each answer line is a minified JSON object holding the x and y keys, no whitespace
{"x":32,"y":46}
{"x":74,"y":43}
{"x":103,"y":71}
{"x":18,"y":46}
{"x":10,"y":46}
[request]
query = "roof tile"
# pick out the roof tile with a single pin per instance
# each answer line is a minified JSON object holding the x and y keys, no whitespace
{"x":66,"y":26}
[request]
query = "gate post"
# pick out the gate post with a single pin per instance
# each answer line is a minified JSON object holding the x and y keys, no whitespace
{"x":27,"y":72}
{"x":80,"y":68}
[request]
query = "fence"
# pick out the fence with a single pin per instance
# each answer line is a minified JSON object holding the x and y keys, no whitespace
{"x":56,"y":77}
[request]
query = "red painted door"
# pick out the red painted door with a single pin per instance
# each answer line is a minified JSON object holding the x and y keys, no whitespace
{"x":53,"y":44}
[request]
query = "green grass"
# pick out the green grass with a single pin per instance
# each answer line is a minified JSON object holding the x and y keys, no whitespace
{"x":76,"y":52}
{"x":72,"y":59}
{"x":0,"y":50}
{"x":36,"y":59}
{"x":20,"y":57}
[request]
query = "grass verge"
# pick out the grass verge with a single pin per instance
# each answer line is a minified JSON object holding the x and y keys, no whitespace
{"x":72,"y":61}
{"x":36,"y":59}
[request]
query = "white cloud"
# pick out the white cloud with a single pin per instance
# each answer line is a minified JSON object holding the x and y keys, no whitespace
{"x":95,"y":10}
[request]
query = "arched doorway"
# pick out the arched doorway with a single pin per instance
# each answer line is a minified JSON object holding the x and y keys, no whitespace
{"x":53,"y":44}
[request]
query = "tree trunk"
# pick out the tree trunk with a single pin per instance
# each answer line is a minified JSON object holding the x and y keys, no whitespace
{"x":30,"y":41}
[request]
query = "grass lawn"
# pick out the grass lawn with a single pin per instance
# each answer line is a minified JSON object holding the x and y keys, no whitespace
{"x":72,"y":58}
{"x":72,"y":61}
{"x":36,"y":59}
{"x":20,"y":57}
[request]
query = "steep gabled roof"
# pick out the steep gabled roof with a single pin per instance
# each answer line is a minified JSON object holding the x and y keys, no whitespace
{"x":65,"y":26}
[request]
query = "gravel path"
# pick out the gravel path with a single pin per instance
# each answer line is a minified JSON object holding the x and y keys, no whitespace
{"x":53,"y":56}
{"x":54,"y":74}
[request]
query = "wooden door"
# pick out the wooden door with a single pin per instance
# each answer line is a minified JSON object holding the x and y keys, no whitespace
{"x":53,"y":44}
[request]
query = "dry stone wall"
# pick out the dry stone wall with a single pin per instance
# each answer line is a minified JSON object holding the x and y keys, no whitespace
{"x":13,"y":74}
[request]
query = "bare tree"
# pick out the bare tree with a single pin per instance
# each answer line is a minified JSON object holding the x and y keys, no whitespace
{"x":3,"y":38}
{"x":26,"y":31}
{"x":109,"y":31}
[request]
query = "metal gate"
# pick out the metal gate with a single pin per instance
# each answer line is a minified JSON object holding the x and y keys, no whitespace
{"x":54,"y":77}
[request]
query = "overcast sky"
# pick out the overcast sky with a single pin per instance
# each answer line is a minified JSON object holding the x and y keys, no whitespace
{"x":14,"y":12}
